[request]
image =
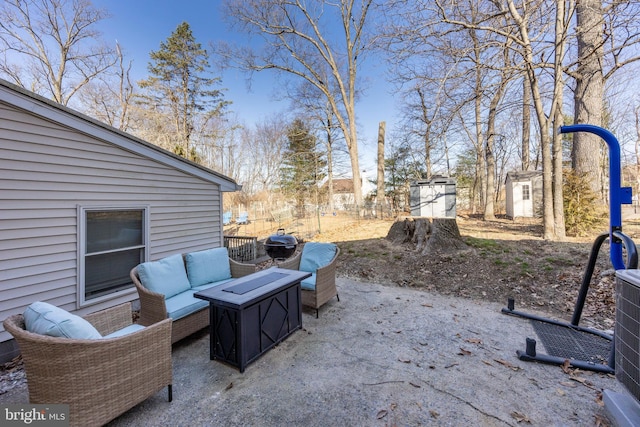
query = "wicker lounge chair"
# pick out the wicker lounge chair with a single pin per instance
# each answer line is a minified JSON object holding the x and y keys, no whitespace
{"x":98,"y":378}
{"x":153,"y":308}
{"x":325,"y":279}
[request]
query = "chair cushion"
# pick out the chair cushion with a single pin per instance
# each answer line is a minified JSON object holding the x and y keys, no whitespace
{"x":46,"y":319}
{"x":166,"y":276}
{"x":316,"y":255}
{"x":125,"y":331}
{"x":309,"y":284}
{"x":184,"y":304}
{"x":208,"y":266}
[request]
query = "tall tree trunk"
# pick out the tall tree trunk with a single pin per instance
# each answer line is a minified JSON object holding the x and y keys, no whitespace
{"x":481,"y":169}
{"x":380,"y":180}
{"x":558,"y":120}
{"x":330,"y":164}
{"x":543,"y":122}
{"x":589,"y":92}
{"x":526,"y":123}
{"x":637,"y":150}
{"x":489,"y":211}
{"x":427,"y":132}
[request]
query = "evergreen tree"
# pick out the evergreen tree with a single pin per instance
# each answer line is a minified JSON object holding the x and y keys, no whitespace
{"x":178,"y":89}
{"x":302,"y":166}
{"x":401,"y":168}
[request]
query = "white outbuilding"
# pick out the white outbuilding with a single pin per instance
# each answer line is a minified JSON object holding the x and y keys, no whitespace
{"x":523,"y":194}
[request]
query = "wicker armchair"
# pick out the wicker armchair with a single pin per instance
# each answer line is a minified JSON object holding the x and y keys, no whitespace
{"x":99,"y":379}
{"x":153,"y":308}
{"x":325,"y":288}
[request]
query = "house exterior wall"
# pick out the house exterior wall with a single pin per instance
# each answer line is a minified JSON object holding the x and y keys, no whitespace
{"x":48,"y":169}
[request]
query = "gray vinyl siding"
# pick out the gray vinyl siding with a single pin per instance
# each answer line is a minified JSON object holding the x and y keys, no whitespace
{"x":47,"y":170}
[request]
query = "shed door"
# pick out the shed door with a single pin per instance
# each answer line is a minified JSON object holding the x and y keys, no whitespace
{"x":522,"y":199}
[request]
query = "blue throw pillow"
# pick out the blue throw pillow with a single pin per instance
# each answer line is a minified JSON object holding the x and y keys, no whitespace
{"x":316,"y":255}
{"x":46,"y":319}
{"x":208,"y":266}
{"x":166,"y":276}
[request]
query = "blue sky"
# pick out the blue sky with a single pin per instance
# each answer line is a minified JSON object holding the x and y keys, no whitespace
{"x":140,"y":25}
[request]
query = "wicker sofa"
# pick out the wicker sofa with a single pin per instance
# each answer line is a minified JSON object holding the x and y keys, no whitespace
{"x":200,"y":270}
{"x":95,"y":377}
{"x":320,"y":260}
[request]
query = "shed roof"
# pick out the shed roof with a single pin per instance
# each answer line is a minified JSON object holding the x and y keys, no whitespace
{"x":523,"y":175}
{"x":52,"y":111}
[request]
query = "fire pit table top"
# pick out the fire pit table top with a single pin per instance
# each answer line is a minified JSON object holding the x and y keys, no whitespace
{"x":242,"y":291}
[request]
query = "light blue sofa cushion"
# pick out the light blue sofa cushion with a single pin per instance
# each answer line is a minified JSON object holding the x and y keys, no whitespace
{"x":125,"y":331}
{"x":316,"y":255}
{"x":184,"y":304}
{"x":309,"y":283}
{"x":166,"y":276}
{"x":207,"y":266}
{"x":46,"y":319}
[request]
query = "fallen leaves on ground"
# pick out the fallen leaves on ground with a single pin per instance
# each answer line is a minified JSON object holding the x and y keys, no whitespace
{"x":507,"y":364}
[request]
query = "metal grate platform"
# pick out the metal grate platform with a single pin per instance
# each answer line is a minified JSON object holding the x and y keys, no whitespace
{"x":561,"y":341}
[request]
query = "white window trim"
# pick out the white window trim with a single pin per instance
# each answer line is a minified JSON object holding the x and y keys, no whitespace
{"x":81,"y":243}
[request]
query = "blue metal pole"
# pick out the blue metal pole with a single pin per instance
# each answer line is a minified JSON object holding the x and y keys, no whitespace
{"x":617,"y":194}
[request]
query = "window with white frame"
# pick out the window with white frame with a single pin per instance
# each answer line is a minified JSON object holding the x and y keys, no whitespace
{"x":112,"y":242}
{"x":526,"y":195}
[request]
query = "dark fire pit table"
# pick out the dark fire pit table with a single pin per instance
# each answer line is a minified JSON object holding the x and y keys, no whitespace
{"x":251,"y":314}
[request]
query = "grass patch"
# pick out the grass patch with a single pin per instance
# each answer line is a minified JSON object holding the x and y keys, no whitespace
{"x":484,"y":244}
{"x":560,"y":261}
{"x":525,"y":268}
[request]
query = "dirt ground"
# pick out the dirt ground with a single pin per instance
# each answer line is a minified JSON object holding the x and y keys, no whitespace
{"x":503,"y":259}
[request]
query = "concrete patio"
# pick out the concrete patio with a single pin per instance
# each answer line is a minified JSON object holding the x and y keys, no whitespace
{"x":380,"y":356}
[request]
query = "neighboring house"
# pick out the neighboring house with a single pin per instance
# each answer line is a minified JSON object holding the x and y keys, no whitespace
{"x":82,"y":203}
{"x":343,"y":196}
{"x":523,"y":194}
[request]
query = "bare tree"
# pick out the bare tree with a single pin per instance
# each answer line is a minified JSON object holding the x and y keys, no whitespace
{"x":589,"y":89}
{"x":300,"y":41}
{"x":523,"y":19}
{"x":498,"y":90}
{"x":607,"y":33}
{"x":486,"y":31}
{"x":109,"y":98}
{"x":263,"y":146}
{"x":52,"y":46}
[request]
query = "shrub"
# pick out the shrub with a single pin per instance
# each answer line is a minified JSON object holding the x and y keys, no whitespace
{"x":581,"y":212}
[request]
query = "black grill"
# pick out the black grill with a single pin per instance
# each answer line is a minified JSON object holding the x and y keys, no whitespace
{"x":280,"y":245}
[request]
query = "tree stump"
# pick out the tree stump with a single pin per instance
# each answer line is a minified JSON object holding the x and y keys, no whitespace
{"x":401,"y":231}
{"x":421,"y":234}
{"x":445,"y":237}
{"x":429,"y":235}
